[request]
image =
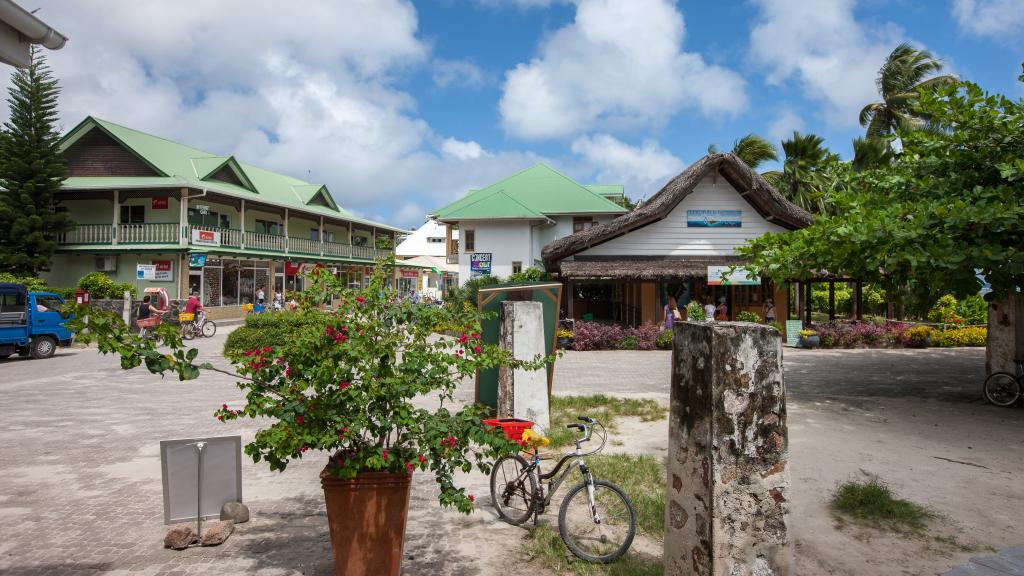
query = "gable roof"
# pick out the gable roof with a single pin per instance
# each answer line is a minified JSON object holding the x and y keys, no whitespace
{"x":771,"y":205}
{"x":179,"y":165}
{"x":609,"y":191}
{"x":535,"y":193}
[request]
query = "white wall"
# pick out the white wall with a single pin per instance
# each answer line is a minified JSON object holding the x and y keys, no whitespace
{"x":671,"y":236}
{"x":416,"y":244}
{"x":507,"y":241}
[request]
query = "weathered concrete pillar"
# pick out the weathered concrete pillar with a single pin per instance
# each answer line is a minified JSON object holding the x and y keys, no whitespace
{"x":1005,"y":334}
{"x":727,"y":481}
{"x":523,"y":393}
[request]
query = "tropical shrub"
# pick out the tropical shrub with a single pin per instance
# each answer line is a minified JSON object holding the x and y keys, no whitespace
{"x":531,"y":274}
{"x":628,"y":343}
{"x":102,"y":287}
{"x":973,"y":309}
{"x":664,"y":340}
{"x":916,"y":337}
{"x":747,"y":316}
{"x":945,"y":312}
{"x":969,"y":336}
{"x":695,"y":312}
{"x":272,"y":329}
{"x":34,"y":284}
{"x":599,"y":336}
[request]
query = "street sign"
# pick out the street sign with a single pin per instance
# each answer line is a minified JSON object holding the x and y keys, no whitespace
{"x":196,"y":260}
{"x":793,"y":328}
{"x":145,"y":272}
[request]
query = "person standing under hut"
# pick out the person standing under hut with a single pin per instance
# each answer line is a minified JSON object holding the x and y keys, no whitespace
{"x":722,"y":311}
{"x":672,"y":313}
{"x":769,"y":311}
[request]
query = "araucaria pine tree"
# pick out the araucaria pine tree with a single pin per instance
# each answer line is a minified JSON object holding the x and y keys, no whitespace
{"x":31,"y":172}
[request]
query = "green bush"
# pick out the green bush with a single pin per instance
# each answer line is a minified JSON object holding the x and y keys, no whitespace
{"x":973,"y":309}
{"x":102,"y":287}
{"x":268,"y":329}
{"x":34,"y":284}
{"x":467,"y":292}
{"x":530,"y":275}
{"x":664,"y":341}
{"x":746,"y":316}
{"x":628,"y":343}
{"x":695,"y":312}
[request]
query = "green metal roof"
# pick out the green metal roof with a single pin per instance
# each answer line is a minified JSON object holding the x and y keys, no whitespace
{"x":535,"y":193}
{"x":178,"y":165}
{"x":608,"y":190}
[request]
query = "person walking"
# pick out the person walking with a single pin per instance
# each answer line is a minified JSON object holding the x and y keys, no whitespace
{"x":672,"y":313}
{"x":709,"y":309}
{"x":769,"y":311}
{"x":261,"y":296}
{"x":722,"y":312}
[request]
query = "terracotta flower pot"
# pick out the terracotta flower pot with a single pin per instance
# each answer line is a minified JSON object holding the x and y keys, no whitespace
{"x":367,"y":517}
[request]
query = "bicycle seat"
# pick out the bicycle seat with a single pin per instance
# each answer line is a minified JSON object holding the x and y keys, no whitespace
{"x":532,"y":439}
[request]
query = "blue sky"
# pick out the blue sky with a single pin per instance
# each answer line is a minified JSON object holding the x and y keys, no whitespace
{"x":400,"y":107}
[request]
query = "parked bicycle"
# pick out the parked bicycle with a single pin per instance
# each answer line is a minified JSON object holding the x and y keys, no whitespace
{"x":596,"y":519}
{"x":147,"y":329}
{"x":1004,"y":388}
{"x":193,"y":325}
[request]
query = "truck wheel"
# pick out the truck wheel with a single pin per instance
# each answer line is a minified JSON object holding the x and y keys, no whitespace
{"x":43,"y":347}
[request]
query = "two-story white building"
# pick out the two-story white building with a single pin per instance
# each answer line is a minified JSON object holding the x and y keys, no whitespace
{"x":503,"y":227}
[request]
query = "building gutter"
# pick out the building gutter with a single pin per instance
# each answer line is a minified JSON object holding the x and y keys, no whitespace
{"x":18,"y":28}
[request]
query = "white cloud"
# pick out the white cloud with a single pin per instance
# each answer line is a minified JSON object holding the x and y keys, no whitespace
{"x":784,"y":125}
{"x":306,"y":89}
{"x":462,"y":150}
{"x":458,"y":72}
{"x":996,"y":18}
{"x":826,"y":49}
{"x":642,"y":169}
{"x":618,"y":64}
{"x":522,"y":4}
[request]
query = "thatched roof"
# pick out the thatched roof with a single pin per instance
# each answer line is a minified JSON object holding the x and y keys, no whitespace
{"x":771,"y":205}
{"x":644,"y":269}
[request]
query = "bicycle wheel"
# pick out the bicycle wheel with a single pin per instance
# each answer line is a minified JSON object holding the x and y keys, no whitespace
{"x":513,"y":489}
{"x":209,"y":329}
{"x":1002,"y":388}
{"x":602,"y":542}
{"x":188,"y":331}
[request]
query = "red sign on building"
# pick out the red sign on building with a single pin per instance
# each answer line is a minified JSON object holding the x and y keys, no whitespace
{"x":160,"y":203}
{"x":164,"y":271}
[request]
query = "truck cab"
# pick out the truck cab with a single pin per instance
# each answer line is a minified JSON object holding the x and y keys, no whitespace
{"x":31,"y":323}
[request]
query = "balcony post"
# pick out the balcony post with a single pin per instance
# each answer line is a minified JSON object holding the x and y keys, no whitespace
{"x":373,"y":245}
{"x":183,"y":217}
{"x":286,"y":242}
{"x":242,"y":235}
{"x":321,"y":236}
{"x":117,"y":214}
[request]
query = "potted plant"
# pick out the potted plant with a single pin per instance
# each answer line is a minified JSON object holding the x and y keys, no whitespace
{"x":809,"y":338}
{"x":565,"y":338}
{"x":343,"y":387}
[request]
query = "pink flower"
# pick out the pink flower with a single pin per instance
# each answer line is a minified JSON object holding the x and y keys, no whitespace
{"x":409,"y":467}
{"x":288,"y":371}
{"x":385,"y":454}
{"x":476,"y":349}
{"x":458,"y":352}
{"x":300,"y":420}
{"x":472,"y":498}
{"x":423,"y":458}
{"x":463,"y":339}
{"x":344,"y":385}
{"x":475,"y":336}
{"x":360,"y":299}
{"x":221,"y":418}
{"x":224,"y":406}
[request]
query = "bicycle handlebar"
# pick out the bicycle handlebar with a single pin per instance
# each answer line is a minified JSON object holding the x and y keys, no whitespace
{"x":576,"y":426}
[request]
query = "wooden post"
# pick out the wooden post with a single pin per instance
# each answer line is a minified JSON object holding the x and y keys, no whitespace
{"x":183,"y":217}
{"x":117,"y":215}
{"x":831,"y":300}
{"x":858,"y":299}
{"x":241,"y":240}
{"x":321,"y":235}
{"x":286,"y":231}
{"x":810,"y":300}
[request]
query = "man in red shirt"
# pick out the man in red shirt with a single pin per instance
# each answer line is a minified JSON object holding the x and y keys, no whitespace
{"x":193,"y":305}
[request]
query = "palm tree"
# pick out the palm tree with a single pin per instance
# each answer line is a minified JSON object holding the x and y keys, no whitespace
{"x":868,"y":154}
{"x":752,"y":149}
{"x":802,"y":179}
{"x":906,"y":71}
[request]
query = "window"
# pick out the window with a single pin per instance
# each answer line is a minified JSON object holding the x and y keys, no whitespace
{"x":314,"y":235}
{"x":133,"y":214}
{"x":469,"y":240}
{"x":225,"y":221}
{"x":360,"y":241}
{"x":210,"y":219}
{"x":268,"y":227}
{"x":581,"y":223}
{"x":434,"y":240}
{"x":517,"y":267}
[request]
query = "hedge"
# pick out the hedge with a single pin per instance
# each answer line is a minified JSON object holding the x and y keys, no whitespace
{"x":269,"y":329}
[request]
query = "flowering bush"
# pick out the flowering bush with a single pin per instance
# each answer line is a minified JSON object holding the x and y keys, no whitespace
{"x":664,"y":340}
{"x":564,"y":333}
{"x":945,"y":312}
{"x":346,"y":386}
{"x":599,"y":336}
{"x":695,"y":312}
{"x":747,"y":316}
{"x":808,"y":332}
{"x":970,"y":336}
{"x":915,"y":337}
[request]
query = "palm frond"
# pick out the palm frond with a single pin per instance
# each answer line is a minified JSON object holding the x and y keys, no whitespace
{"x":754,"y":150}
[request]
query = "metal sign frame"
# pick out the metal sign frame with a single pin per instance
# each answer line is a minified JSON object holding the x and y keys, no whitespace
{"x":194,"y":478}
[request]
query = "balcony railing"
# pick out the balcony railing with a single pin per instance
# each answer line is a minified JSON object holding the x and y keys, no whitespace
{"x":147,"y":233}
{"x":337,"y":250}
{"x":269,"y":242}
{"x":304,"y":246}
{"x":88,"y":234}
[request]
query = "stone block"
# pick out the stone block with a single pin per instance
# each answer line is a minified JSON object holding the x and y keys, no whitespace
{"x":217,"y":532}
{"x":727,"y":480}
{"x":235,"y":512}
{"x":523,"y":393}
{"x":180,"y":536}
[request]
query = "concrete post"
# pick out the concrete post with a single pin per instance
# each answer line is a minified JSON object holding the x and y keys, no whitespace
{"x":1005,"y":334}
{"x":727,"y":481}
{"x":523,"y":393}
{"x":126,"y":310}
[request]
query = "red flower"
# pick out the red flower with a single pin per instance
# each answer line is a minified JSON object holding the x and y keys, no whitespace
{"x":409,"y":467}
{"x":221,"y":418}
{"x":360,"y":299}
{"x":344,"y":385}
{"x":472,"y":498}
{"x":475,"y":336}
{"x":304,"y":448}
{"x":476,"y":349}
{"x":423,"y":458}
{"x":225,"y":406}
{"x":342,"y":433}
{"x":463,"y":339}
{"x":267,"y":349}
{"x":451,"y":441}
{"x":385,"y":454}
{"x":300,"y":420}
{"x":458,"y":352}
{"x":288,"y":371}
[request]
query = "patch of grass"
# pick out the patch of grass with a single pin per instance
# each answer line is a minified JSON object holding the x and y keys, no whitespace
{"x":565,"y":409}
{"x":953,"y":542}
{"x":874,"y":503}
{"x":545,"y":545}
{"x":643,"y":479}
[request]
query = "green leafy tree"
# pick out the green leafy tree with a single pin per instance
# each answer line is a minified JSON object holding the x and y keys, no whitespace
{"x":948,"y":205}
{"x":31,"y":172}
{"x":809,"y":174}
{"x":752,"y":149}
{"x":870,"y":153}
{"x":906,"y":72}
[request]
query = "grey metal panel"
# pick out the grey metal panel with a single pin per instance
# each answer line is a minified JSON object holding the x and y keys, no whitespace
{"x":221,"y":476}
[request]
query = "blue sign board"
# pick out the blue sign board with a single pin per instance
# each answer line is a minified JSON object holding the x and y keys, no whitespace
{"x":714,"y":218}
{"x":196,"y":260}
{"x":480,"y":264}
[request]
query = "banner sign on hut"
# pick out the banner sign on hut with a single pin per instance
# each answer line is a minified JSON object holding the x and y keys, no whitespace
{"x":714,"y":218}
{"x":720,"y":276}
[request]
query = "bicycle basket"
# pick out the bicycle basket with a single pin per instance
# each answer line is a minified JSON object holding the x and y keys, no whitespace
{"x":511,"y":427}
{"x":184,"y":317}
{"x":151,"y":322}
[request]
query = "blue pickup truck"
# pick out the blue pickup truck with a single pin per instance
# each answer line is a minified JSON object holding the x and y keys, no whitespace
{"x":31,"y":323}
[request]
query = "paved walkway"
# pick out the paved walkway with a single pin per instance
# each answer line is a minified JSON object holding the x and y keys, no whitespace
{"x":1009,"y":562}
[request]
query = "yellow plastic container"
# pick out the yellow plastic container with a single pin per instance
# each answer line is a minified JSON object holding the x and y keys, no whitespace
{"x":186,"y":317}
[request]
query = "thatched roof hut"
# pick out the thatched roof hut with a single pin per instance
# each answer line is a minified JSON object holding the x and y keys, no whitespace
{"x":562,"y":255}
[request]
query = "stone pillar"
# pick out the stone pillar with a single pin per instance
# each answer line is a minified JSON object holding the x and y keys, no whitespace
{"x":727,"y":481}
{"x":1005,"y":334}
{"x":523,"y":393}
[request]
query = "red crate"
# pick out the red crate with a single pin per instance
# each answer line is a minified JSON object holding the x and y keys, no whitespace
{"x":151,"y":322}
{"x":512,"y":427}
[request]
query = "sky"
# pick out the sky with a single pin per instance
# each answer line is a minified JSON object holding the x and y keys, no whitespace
{"x":400,"y":107}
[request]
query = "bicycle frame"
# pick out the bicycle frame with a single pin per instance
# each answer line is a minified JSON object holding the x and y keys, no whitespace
{"x":553,"y":485}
